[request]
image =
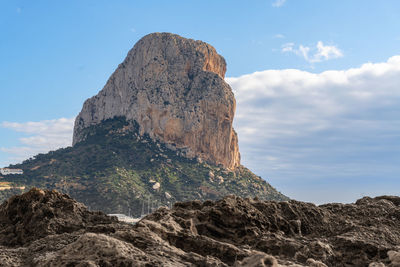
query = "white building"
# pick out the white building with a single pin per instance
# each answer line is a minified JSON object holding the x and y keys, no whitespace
{"x":6,"y":171}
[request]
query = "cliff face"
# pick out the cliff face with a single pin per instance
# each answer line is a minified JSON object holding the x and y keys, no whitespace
{"x":174,"y":89}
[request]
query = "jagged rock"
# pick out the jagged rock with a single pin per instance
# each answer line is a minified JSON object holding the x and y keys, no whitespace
{"x":394,"y":257}
{"x":258,"y":260}
{"x":92,"y":249}
{"x":174,"y":89}
{"x":230,"y":232}
{"x":313,"y":263}
{"x":39,"y":213}
{"x":376,"y":264}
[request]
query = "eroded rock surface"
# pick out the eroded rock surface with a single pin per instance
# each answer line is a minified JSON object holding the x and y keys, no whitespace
{"x":229,"y":232}
{"x":174,"y":89}
{"x":39,"y":213}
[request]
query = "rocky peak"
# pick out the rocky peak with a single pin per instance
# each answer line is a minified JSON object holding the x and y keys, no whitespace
{"x":174,"y":89}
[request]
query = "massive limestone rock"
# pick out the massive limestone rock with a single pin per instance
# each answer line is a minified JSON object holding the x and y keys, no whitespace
{"x":174,"y":89}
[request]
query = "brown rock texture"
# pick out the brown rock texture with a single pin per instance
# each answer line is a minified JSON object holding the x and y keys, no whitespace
{"x":39,"y":213}
{"x":230,"y":232}
{"x":174,"y":89}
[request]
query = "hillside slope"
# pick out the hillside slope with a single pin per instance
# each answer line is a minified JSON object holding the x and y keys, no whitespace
{"x":118,"y":171}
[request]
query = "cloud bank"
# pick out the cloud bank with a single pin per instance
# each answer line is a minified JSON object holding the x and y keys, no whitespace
{"x":39,"y":137}
{"x":301,"y":126}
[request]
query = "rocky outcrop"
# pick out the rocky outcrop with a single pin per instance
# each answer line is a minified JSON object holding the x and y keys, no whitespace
{"x":229,"y":232}
{"x":174,"y":89}
{"x":39,"y":213}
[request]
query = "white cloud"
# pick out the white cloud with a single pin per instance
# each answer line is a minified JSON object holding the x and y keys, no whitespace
{"x":288,"y":47}
{"x":41,"y":137}
{"x":279,"y":36}
{"x":333,"y":125}
{"x":326,"y":52}
{"x":278,"y":3}
{"x":318,"y":53}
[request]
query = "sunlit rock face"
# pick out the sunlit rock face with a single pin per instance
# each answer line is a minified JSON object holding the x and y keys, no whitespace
{"x":174,"y":89}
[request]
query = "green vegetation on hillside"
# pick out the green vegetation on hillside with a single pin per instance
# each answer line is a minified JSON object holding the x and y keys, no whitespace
{"x":118,"y":171}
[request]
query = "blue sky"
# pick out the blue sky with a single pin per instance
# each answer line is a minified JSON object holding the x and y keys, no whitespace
{"x":316,"y":82}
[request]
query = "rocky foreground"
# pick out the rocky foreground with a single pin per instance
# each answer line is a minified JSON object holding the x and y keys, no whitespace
{"x":47,"y":228}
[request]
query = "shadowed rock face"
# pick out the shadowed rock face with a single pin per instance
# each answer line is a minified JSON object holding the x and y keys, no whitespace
{"x":174,"y":89}
{"x":55,"y":230}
